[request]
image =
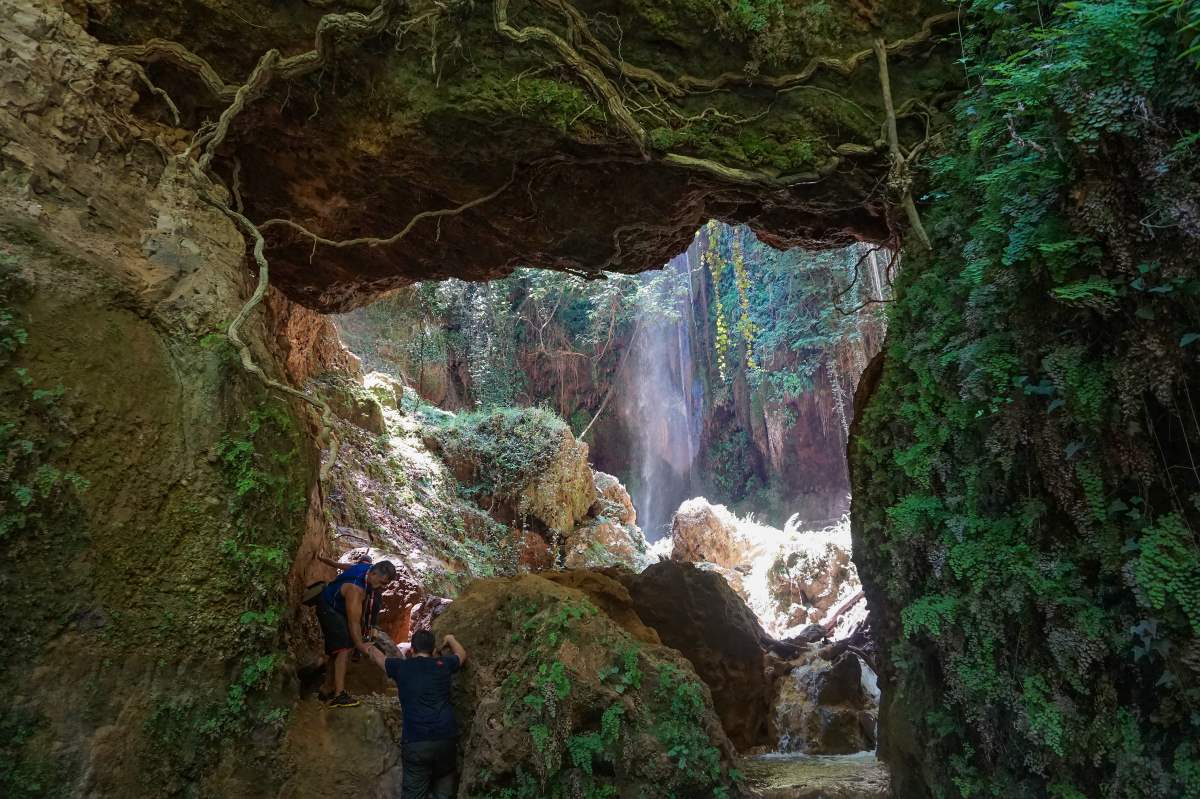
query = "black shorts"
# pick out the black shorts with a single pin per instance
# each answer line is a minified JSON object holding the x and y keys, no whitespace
{"x":334,"y":627}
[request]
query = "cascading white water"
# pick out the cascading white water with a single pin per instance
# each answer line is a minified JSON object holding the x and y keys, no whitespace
{"x":660,"y":406}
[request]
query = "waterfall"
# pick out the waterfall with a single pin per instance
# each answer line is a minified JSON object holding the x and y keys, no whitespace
{"x":658,"y":407}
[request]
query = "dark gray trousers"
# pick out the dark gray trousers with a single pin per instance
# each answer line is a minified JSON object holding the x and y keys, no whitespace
{"x":429,"y":769}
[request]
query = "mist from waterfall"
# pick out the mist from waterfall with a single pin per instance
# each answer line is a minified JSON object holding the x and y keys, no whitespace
{"x":662,"y":406}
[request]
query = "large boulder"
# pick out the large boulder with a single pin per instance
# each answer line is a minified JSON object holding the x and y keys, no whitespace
{"x":613,"y":499}
{"x":561,"y":693}
{"x":352,"y":401}
{"x":387,"y":390}
{"x":705,"y":532}
{"x":522,"y":465}
{"x":603,"y":542}
{"x":609,"y":535}
{"x":696,"y":612}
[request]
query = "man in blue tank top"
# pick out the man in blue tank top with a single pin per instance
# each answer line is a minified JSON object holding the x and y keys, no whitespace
{"x":430,"y":739}
{"x":339,"y":611}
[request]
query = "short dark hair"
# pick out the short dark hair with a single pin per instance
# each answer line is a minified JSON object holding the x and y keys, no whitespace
{"x":386,"y":568}
{"x":422,"y":641}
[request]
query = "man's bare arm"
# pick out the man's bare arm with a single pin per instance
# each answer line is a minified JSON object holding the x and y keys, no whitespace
{"x":354,"y":601}
{"x":331,"y":562}
{"x":456,"y":648}
{"x":377,"y":657}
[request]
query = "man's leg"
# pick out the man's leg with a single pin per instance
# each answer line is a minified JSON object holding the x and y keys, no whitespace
{"x":445,"y":769}
{"x":418,"y":770}
{"x":337,"y":648}
{"x":327,"y":683}
{"x":339,"y":670}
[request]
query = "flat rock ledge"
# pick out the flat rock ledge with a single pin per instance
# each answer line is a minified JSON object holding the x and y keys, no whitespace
{"x":859,"y":776}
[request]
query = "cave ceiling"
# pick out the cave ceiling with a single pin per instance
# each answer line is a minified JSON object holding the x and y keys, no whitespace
{"x":584,"y":137}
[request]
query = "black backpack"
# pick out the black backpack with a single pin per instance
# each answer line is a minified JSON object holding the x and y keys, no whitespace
{"x":313,"y":592}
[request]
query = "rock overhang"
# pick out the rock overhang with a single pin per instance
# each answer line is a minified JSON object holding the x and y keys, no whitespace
{"x":582,"y":137}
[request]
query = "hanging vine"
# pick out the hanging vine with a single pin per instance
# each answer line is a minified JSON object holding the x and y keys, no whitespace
{"x":710,"y":257}
{"x":745,"y":323}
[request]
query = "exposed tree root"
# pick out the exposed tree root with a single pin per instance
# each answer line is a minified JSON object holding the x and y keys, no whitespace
{"x":371,"y":241}
{"x":843,"y":66}
{"x":246,"y":93}
{"x":750,"y":177}
{"x":899,"y":176}
{"x":234,"y":332}
{"x":157,"y":50}
{"x":690,"y":84}
{"x":591,"y":74}
{"x":166,"y":98}
{"x":584,"y":53}
{"x":353,"y":26}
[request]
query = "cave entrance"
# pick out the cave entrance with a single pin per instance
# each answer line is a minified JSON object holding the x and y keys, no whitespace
{"x":717,"y":390}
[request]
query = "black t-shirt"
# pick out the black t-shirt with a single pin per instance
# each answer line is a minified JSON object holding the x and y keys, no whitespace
{"x":424,"y":686}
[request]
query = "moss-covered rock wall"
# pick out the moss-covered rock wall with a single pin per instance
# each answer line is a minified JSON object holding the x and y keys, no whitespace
{"x":1025,"y":490}
{"x":153,"y":496}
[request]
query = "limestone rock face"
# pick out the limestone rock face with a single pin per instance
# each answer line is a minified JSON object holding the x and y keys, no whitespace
{"x":826,"y":708}
{"x":705,"y":532}
{"x":603,"y":542}
{"x":805,"y":585}
{"x":614,"y":499}
{"x":120,"y":280}
{"x":307,"y":342}
{"x":350,"y":752}
{"x":696,"y":612}
{"x":566,"y":687}
{"x":350,"y":400}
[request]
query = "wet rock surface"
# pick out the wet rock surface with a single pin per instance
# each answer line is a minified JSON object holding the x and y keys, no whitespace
{"x":826,"y":708}
{"x":614,"y":499}
{"x":807,"y":585}
{"x":803,"y":777}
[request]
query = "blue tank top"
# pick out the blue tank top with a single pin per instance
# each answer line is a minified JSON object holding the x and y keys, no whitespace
{"x":356,"y":575}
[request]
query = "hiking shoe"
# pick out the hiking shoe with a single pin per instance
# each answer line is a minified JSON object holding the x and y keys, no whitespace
{"x":344,"y":700}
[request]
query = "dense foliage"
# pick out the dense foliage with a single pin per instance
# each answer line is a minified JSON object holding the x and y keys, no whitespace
{"x":790,"y":310}
{"x":787,"y":325}
{"x":1026,"y":491}
{"x":497,"y":340}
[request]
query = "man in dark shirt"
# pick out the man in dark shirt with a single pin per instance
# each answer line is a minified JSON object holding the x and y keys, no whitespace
{"x":430,"y":738}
